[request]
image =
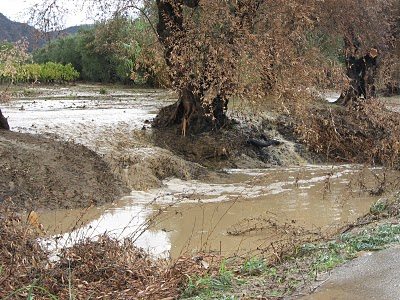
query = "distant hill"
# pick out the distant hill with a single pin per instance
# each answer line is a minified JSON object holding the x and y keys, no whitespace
{"x":11,"y":31}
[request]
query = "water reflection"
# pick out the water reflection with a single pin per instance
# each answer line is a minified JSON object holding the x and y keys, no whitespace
{"x":193,"y":215}
{"x":125,"y":220}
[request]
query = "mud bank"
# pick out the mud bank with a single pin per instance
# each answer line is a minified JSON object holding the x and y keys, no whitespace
{"x":39,"y":173}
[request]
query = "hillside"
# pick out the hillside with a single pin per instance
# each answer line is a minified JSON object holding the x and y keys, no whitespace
{"x":11,"y":31}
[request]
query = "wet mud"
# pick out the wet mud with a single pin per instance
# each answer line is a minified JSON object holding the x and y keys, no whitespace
{"x":235,"y":213}
{"x":40,"y":174}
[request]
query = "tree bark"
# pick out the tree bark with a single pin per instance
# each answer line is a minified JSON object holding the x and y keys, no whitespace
{"x":3,"y":122}
{"x":361,"y":72}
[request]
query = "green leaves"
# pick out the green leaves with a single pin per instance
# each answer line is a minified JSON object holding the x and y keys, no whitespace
{"x":49,"y":72}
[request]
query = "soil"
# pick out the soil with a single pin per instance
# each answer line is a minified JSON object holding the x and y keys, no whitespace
{"x":47,"y":172}
{"x":43,"y":173}
{"x":265,"y":142}
{"x":40,"y":173}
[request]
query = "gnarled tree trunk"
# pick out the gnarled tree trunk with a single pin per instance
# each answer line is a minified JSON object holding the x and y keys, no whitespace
{"x":190,"y":109}
{"x":362,"y":72}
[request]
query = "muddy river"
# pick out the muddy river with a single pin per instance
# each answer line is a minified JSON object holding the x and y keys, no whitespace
{"x":238,"y":211}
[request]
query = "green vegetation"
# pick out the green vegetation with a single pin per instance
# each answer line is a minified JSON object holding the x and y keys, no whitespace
{"x":378,"y":207}
{"x":254,"y":267}
{"x":116,"y":51}
{"x":120,"y":50}
{"x":209,"y":286}
{"x":217,"y":51}
{"x":298,"y":270}
{"x":48,"y":72}
{"x":103,"y":91}
{"x":30,"y":295}
{"x":15,"y":67}
{"x":373,"y":240}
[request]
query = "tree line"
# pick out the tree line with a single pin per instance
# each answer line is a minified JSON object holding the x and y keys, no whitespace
{"x":113,"y":51}
{"x":34,"y":73}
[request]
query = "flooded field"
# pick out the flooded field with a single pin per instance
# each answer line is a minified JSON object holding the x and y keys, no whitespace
{"x":235,"y":211}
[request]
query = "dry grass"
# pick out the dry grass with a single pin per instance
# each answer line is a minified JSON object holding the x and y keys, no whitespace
{"x":21,"y":258}
{"x":102,"y":269}
{"x":367,"y":133}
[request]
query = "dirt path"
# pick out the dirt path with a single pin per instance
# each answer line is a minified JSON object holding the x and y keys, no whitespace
{"x":39,"y":173}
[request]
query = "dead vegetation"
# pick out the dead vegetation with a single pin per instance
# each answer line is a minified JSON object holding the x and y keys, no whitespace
{"x":368,"y":133}
{"x":110,"y":269}
{"x":101,"y":269}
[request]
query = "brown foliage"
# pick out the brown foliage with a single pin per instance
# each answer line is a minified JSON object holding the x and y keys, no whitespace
{"x":250,"y":49}
{"x":368,"y":133}
{"x":21,"y":258}
{"x":102,"y":269}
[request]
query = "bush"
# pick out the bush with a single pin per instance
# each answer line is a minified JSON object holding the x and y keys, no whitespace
{"x":48,"y":72}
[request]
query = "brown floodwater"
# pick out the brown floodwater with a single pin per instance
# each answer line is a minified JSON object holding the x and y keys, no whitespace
{"x":237,"y":211}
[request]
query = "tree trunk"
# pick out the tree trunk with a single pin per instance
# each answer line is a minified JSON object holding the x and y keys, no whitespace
{"x":190,"y":111}
{"x":361,"y":72}
{"x":3,"y":122}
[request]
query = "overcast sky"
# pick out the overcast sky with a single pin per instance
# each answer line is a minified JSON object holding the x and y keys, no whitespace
{"x":15,"y":10}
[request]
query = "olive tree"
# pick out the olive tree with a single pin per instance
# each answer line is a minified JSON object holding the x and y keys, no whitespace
{"x":367,"y":29}
{"x":218,"y":50}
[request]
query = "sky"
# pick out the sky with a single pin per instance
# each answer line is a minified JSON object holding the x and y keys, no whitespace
{"x":15,"y":10}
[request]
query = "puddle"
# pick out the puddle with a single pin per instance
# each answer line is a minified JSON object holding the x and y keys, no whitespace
{"x":230,"y":214}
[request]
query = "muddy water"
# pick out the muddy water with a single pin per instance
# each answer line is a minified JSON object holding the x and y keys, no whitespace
{"x":236,"y":211}
{"x":239,"y":215}
{"x":232,"y":214}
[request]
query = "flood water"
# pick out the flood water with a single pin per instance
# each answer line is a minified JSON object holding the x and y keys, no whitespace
{"x":238,"y":211}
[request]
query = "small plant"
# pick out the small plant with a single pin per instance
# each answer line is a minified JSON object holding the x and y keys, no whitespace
{"x":103,"y":91}
{"x":254,"y":267}
{"x":27,"y":92}
{"x":328,"y":260}
{"x":375,"y":240}
{"x":378,"y":207}
{"x":30,"y":295}
{"x":209,"y":285}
